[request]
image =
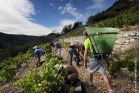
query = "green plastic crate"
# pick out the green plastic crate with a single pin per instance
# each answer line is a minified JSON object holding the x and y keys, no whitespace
{"x":103,"y":39}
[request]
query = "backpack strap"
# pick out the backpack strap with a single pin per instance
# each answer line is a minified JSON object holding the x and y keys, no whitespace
{"x":92,"y":46}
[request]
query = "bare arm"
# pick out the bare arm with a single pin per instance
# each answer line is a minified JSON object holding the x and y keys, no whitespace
{"x":38,"y":60}
{"x":82,"y":53}
{"x":85,"y":57}
{"x":54,"y":50}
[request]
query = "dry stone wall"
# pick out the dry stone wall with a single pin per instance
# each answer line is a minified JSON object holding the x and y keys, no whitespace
{"x":124,"y":40}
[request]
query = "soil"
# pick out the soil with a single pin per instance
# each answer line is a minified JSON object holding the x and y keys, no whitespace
{"x":123,"y":82}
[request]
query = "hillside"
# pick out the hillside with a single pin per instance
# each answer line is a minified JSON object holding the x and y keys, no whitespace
{"x":122,"y":81}
{"x":122,"y":14}
{"x":7,"y":40}
{"x":11,"y":45}
{"x":119,"y":7}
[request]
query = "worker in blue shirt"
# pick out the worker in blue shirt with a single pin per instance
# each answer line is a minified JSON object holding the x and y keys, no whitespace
{"x":38,"y":53}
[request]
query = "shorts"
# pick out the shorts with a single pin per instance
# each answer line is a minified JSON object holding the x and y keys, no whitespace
{"x":74,"y":76}
{"x":99,"y":66}
{"x":58,"y":52}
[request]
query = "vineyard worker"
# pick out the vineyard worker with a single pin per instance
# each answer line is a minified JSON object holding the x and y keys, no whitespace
{"x":72,"y":50}
{"x":92,"y":66}
{"x":56,"y":48}
{"x":72,"y":72}
{"x":38,"y":54}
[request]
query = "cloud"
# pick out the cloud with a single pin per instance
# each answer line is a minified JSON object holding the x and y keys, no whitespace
{"x":71,"y":10}
{"x":67,"y":22}
{"x":97,"y":4}
{"x":60,"y":8}
{"x":16,"y":17}
{"x":51,"y":4}
{"x":63,"y":23}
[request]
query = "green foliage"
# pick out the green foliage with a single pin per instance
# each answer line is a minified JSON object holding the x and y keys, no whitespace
{"x":124,"y":19}
{"x":65,"y":45}
{"x":119,"y":7}
{"x":76,"y":32}
{"x":8,"y":73}
{"x":66,"y":29}
{"x":8,"y":67}
{"x":114,"y":67}
{"x":76,"y":25}
{"x":69,"y":28}
{"x":72,"y":90}
{"x":48,"y":80}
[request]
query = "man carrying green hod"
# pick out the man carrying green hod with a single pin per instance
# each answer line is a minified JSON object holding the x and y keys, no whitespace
{"x":92,"y":65}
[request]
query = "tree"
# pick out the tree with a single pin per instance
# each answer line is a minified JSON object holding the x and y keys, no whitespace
{"x":76,"y":25}
{"x":70,"y":27}
{"x":66,"y":29}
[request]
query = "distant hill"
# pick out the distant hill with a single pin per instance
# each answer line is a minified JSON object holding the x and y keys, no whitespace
{"x":7,"y":40}
{"x":46,"y":39}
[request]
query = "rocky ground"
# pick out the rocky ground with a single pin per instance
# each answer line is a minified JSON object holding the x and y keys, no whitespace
{"x":123,"y":81}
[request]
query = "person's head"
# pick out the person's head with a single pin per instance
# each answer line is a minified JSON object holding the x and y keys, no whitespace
{"x":35,"y":47}
{"x":85,"y":34}
{"x":52,"y":44}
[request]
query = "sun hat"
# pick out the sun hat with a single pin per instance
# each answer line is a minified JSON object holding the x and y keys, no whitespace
{"x":85,"y":32}
{"x":35,"y":47}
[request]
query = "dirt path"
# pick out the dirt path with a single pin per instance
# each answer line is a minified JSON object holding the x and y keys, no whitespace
{"x":122,"y":83}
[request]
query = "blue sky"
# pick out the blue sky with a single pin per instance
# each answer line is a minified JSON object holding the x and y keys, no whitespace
{"x":41,"y":17}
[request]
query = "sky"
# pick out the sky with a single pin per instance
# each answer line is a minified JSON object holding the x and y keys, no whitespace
{"x":41,"y":17}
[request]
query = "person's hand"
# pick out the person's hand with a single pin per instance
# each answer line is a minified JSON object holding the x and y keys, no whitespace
{"x":85,"y":65}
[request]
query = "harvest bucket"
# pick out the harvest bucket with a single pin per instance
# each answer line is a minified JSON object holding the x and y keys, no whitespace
{"x":103,"y":39}
{"x":80,"y":88}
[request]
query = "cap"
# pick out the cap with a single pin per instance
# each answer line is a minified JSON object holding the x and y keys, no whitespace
{"x":35,"y":47}
{"x":85,"y":32}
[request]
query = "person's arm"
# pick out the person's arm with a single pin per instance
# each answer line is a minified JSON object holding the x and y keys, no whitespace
{"x":54,"y":50}
{"x":38,"y":60}
{"x":85,"y":57}
{"x":82,"y":53}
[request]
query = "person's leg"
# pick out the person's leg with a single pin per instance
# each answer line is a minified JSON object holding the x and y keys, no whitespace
{"x":70,"y":55}
{"x":56,"y":52}
{"x":77,"y":55}
{"x":90,"y":77}
{"x":59,"y":52}
{"x":102,"y":70}
{"x":107,"y":81}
